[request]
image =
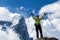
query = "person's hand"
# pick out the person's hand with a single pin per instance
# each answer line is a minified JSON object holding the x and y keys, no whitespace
{"x":31,"y":13}
{"x":44,"y":13}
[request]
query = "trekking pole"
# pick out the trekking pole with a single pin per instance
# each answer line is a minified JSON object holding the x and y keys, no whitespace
{"x":49,"y":20}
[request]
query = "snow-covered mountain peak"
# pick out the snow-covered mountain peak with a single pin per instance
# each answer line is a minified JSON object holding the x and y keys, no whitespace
{"x":6,"y":15}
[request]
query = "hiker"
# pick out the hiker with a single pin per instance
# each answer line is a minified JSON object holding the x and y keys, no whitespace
{"x":38,"y":24}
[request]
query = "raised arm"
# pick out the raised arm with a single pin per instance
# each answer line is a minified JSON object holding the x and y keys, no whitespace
{"x":43,"y":16}
{"x":32,"y":16}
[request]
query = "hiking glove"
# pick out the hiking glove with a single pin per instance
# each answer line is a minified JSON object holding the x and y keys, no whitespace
{"x":44,"y":13}
{"x":31,"y":13}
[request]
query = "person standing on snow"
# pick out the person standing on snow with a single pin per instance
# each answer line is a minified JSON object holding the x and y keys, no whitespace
{"x":38,"y":24}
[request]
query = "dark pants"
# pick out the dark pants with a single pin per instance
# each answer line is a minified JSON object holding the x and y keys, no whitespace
{"x":38,"y":27}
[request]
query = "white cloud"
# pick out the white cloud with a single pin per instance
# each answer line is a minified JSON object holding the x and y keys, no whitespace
{"x":33,"y":11}
{"x":22,"y":8}
{"x":54,"y":8}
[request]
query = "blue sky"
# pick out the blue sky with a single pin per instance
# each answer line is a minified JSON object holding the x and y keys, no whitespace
{"x":27,"y":4}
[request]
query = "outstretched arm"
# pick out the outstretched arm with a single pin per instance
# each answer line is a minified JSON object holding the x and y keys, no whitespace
{"x":32,"y":16}
{"x":43,"y":16}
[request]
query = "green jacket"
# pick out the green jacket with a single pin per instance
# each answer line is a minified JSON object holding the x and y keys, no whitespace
{"x":37,"y":20}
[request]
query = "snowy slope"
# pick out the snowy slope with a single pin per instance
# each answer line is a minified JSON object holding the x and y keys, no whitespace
{"x":30,"y":27}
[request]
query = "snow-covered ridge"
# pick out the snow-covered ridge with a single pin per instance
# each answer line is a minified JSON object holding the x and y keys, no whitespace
{"x":6,"y":15}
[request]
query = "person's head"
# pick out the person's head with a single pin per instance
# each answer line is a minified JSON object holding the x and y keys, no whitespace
{"x":37,"y":16}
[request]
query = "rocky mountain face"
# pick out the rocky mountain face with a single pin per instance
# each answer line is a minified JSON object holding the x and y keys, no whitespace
{"x":21,"y":29}
{"x":47,"y":38}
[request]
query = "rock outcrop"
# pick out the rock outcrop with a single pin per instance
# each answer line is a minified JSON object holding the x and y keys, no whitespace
{"x":47,"y":38}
